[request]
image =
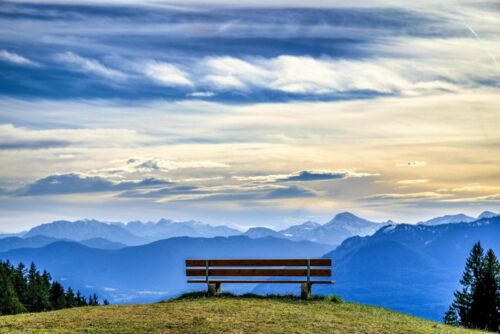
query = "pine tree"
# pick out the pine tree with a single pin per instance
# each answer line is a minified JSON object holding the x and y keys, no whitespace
{"x":451,"y":316}
{"x":488,"y":293}
{"x":464,"y":299}
{"x":9,"y":302}
{"x":93,"y":300}
{"x":57,"y":296}
{"x":70,"y":298}
{"x":19,"y":281}
{"x":477,"y":304}
{"x":24,"y":290}
{"x":80,"y":300}
{"x":37,"y":290}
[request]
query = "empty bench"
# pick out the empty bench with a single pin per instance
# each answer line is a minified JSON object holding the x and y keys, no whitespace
{"x":305,"y":272}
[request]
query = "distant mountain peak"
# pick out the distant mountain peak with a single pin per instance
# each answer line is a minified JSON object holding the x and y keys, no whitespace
{"x":348,"y":218}
{"x":310,"y":224}
{"x":487,"y":214}
{"x":345,"y":215}
{"x":262,"y":232}
{"x":448,"y":219}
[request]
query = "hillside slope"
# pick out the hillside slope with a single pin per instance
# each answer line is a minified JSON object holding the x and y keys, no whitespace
{"x":408,"y":268}
{"x":224,"y":315}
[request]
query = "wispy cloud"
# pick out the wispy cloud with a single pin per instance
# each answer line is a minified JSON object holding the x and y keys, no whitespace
{"x":166,"y":74}
{"x":159,"y":164}
{"x":414,"y":181}
{"x":15,"y":58}
{"x":74,"y":183}
{"x":89,"y":66}
{"x":289,"y":192}
{"x":20,"y":138}
{"x":305,"y":176}
{"x":428,"y":195}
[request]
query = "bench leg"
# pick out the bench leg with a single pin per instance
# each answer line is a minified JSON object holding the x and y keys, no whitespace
{"x":305,"y":290}
{"x":214,"y":289}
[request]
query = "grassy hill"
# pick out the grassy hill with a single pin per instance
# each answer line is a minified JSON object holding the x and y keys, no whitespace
{"x":224,"y":315}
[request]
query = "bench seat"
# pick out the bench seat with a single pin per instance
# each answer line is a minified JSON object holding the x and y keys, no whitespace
{"x":257,"y":281}
{"x":301,"y":271}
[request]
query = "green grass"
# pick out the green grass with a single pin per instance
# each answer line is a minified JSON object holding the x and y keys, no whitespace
{"x":194,"y":313}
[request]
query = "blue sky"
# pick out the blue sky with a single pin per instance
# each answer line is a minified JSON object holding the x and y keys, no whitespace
{"x":265,"y":113}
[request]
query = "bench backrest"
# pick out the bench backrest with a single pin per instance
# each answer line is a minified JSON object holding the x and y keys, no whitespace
{"x":260,"y":267}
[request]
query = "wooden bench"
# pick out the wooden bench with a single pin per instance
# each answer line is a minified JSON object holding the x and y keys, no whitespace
{"x":216,"y":272}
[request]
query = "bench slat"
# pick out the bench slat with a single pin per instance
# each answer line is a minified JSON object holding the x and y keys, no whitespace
{"x":260,"y":263}
{"x":257,"y":281}
{"x":258,"y":272}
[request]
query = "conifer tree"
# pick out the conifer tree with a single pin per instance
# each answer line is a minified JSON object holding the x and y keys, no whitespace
{"x":477,"y":304}
{"x":93,"y":300}
{"x":57,"y":296}
{"x":24,"y":290}
{"x":70,"y":298}
{"x":488,"y":294}
{"x":451,"y":316}
{"x":80,"y":300}
{"x":19,"y":281}
{"x":9,"y":302}
{"x":37,"y":290}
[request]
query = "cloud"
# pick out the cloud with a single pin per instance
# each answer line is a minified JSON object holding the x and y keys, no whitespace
{"x":286,"y":73}
{"x":476,"y":187}
{"x":315,"y":176}
{"x":14,"y":138}
{"x":15,"y":58}
{"x":166,"y":74}
{"x":475,"y":200}
{"x":92,"y":66}
{"x":323,"y":175}
{"x":305,"y":176}
{"x":414,"y":181}
{"x":159,"y":164}
{"x":163,"y":192}
{"x":409,"y":56}
{"x":289,"y":192}
{"x":202,"y":94}
{"x":19,"y":138}
{"x":73,"y":183}
{"x":407,"y":196}
{"x":233,"y":194}
{"x":33,"y":144}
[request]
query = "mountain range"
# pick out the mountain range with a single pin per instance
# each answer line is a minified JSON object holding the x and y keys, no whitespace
{"x":151,"y":272}
{"x":341,"y":227}
{"x":408,"y":268}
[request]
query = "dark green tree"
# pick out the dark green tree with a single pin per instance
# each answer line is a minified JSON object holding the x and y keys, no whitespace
{"x":70,"y":298}
{"x":37,"y":291}
{"x":476,"y":305}
{"x":24,"y":290}
{"x":93,"y":300}
{"x":451,"y":316}
{"x":19,"y":281}
{"x":80,"y":299}
{"x":9,"y":301}
{"x":487,"y":294}
{"x":57,"y":296}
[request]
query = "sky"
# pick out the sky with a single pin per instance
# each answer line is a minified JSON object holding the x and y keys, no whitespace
{"x":267,"y":113}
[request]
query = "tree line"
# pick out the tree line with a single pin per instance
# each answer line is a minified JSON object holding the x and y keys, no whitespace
{"x":477,"y":303}
{"x":25,"y":289}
